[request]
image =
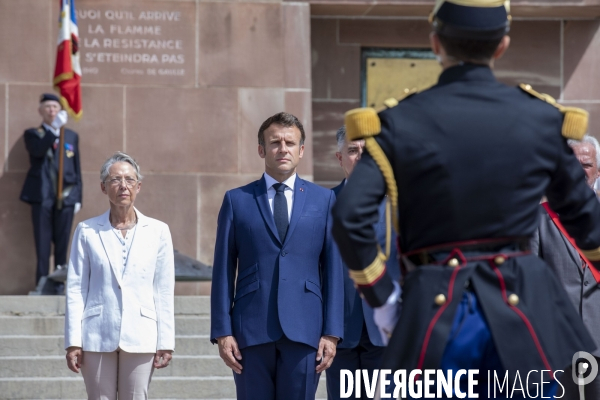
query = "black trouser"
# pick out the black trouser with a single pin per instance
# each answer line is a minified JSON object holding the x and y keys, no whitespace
{"x":50,"y":225}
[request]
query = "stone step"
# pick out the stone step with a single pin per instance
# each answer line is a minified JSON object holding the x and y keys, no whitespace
{"x":54,"y":325}
{"x":56,"y":366}
{"x":161,"y":387}
{"x":55,"y":305}
{"x":21,"y":345}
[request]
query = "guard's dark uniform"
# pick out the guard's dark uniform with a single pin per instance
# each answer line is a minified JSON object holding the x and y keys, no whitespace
{"x":51,"y":224}
{"x":471,"y":158}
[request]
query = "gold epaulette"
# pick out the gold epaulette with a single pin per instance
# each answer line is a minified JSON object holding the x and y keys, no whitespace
{"x":592,"y":255}
{"x":575,"y":122}
{"x":40,"y":132}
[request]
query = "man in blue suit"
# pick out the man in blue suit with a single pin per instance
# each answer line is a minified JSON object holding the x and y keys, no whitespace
{"x":277,"y":288}
{"x":51,"y":224}
{"x":363,"y":344}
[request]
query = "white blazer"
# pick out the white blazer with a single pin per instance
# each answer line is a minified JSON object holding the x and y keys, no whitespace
{"x":133,"y":311}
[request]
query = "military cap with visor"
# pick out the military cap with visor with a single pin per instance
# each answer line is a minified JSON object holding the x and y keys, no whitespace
{"x":471,"y":19}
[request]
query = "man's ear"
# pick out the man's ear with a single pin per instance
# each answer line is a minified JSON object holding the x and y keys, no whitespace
{"x":338,"y":155}
{"x":301,"y":151}
{"x":261,"y":151}
{"x":434,"y":40}
{"x":502,"y":47}
{"x":103,"y":188}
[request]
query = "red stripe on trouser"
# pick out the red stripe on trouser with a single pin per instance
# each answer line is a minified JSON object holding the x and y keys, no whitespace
{"x":439,"y":312}
{"x":523,"y":318}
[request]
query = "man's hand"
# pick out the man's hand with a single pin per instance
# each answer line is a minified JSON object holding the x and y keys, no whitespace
{"x":326,"y":352}
{"x":74,"y":358}
{"x":230,"y":353}
{"x":162,"y":358}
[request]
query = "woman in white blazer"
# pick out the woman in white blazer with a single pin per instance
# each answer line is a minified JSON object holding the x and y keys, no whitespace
{"x":119,"y":321}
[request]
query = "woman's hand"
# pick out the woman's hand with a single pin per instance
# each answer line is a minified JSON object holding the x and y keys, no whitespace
{"x":166,"y":356}
{"x":74,"y":358}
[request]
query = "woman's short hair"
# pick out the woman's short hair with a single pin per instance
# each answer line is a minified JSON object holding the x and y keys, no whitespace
{"x":119,"y":157}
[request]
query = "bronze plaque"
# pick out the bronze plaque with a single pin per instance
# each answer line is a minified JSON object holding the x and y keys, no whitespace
{"x":393,"y":77}
{"x":137,"y":42}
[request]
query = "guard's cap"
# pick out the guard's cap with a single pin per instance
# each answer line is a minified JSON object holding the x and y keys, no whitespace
{"x":49,"y":96}
{"x":472,"y":19}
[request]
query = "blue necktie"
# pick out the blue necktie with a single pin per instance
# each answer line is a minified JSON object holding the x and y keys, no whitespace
{"x":280,"y":210}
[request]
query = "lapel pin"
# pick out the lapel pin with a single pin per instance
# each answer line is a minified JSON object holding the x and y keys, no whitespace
{"x":302,"y":189}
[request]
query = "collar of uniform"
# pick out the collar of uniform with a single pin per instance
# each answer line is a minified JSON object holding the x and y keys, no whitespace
{"x":289,"y":182}
{"x":51,"y":129}
{"x":467,"y":72}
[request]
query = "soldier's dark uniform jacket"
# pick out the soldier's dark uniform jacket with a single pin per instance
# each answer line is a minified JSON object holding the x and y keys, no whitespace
{"x":472,"y":158}
{"x":40,"y":184}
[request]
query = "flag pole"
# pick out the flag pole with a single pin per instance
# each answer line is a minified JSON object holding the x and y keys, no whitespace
{"x":61,"y":157}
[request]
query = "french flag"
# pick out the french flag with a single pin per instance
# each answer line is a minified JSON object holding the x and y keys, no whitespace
{"x":67,"y":73}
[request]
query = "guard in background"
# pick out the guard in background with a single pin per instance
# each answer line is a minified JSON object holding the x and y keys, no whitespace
{"x":363,"y":345}
{"x":466,"y":164}
{"x":51,"y":224}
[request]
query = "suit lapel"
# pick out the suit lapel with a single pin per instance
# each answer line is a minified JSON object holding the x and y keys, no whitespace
{"x":137,"y":246}
{"x":573,"y":253}
{"x":108,"y":242}
{"x":260,"y":194}
{"x":299,"y":198}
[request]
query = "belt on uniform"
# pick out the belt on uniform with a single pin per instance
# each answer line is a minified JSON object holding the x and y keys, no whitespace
{"x":457,"y":253}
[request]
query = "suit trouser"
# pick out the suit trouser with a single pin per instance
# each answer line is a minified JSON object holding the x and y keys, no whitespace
{"x":105,"y":374}
{"x":51,"y":225}
{"x":281,"y":370}
{"x":365,"y":356}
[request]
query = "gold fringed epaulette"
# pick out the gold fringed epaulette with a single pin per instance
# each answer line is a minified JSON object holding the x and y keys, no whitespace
{"x":364,"y":123}
{"x":575,"y":122}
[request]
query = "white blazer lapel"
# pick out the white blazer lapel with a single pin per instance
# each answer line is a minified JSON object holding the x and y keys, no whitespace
{"x":108,"y":242}
{"x":137,"y":246}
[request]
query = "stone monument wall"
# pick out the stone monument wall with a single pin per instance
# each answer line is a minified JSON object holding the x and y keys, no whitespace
{"x":180,"y":85}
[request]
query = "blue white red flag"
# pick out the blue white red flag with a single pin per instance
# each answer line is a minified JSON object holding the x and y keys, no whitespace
{"x":67,"y":73}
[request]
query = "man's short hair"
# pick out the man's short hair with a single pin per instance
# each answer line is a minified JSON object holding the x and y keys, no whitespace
{"x":340,"y":136}
{"x":469,"y":49}
{"x":284,"y":119}
{"x":588,"y":139}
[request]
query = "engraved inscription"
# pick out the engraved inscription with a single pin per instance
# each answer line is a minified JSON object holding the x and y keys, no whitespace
{"x":137,"y":43}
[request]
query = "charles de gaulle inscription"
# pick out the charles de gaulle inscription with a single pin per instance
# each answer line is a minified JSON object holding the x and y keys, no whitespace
{"x":137,"y":43}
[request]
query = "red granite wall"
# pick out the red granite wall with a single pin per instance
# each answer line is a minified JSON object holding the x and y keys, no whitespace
{"x":190,"y":120}
{"x":558,"y":56}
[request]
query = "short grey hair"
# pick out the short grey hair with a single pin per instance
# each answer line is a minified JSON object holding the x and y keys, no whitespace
{"x":340,"y":136}
{"x":119,"y":157}
{"x":588,"y":139}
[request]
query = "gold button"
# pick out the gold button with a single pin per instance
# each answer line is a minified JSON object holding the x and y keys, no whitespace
{"x":453,"y":262}
{"x":499,"y":260}
{"x":513,"y":299}
{"x":528,"y":87}
{"x":440,"y":299}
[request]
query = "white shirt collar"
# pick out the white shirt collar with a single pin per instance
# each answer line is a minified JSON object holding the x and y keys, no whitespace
{"x":51,"y":129}
{"x":289,"y":182}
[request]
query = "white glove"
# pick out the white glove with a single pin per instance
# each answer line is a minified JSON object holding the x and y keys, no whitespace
{"x":387,"y":315}
{"x":60,"y":119}
{"x":77,"y":207}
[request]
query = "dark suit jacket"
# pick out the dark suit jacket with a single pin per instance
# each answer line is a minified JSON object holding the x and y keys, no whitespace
{"x":263,"y":289}
{"x":39,"y":185}
{"x":356,"y":309}
{"x":550,"y":245}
